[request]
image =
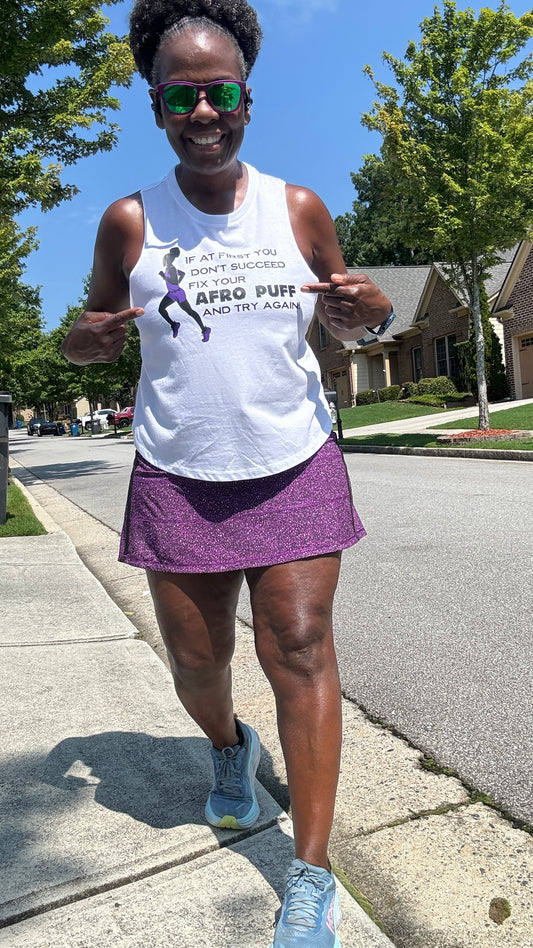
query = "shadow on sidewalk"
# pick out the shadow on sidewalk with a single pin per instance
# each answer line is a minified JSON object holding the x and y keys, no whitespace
{"x":132,"y":773}
{"x":53,"y":832}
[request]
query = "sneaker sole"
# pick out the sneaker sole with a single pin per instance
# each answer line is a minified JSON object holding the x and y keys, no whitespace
{"x":337,"y":943}
{"x":245,"y":822}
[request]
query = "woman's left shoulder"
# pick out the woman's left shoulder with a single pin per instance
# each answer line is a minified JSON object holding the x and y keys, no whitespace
{"x":302,"y":200}
{"x":309,"y":215}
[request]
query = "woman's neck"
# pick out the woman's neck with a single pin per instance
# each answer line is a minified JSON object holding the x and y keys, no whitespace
{"x":214,"y":193}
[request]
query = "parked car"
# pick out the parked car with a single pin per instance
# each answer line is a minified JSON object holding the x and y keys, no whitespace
{"x":99,"y":415}
{"x":40,"y":427}
{"x":121,"y":418}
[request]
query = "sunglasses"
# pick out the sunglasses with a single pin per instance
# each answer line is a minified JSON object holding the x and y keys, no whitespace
{"x":182,"y":97}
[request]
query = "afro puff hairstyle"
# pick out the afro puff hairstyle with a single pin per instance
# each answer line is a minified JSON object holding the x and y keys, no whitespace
{"x":151,"y":19}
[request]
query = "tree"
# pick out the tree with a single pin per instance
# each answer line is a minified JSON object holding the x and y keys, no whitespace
{"x":458,"y":139}
{"x":20,"y":307}
{"x":57,"y":65}
{"x":129,"y":366}
{"x":56,"y":380}
{"x":44,"y":382}
{"x":497,"y":383}
{"x":372,"y":235}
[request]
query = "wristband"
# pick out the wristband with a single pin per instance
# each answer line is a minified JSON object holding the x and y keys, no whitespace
{"x":379,"y":330}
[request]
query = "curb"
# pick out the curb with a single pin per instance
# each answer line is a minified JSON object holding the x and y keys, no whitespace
{"x":480,"y":453}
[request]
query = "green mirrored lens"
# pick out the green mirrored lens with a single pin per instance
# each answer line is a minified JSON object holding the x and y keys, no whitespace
{"x":225,"y":96}
{"x":180,"y":98}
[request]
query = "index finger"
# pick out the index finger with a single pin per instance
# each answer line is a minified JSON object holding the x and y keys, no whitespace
{"x":320,"y":287}
{"x":126,"y":315}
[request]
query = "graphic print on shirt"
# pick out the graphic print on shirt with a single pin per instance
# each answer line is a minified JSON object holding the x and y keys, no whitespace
{"x":176,"y":294}
{"x":223,"y":282}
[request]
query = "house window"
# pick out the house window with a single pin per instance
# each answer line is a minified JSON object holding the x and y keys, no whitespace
{"x":417,"y":364}
{"x":445,"y":355}
{"x":527,"y":342}
{"x":322,"y":336}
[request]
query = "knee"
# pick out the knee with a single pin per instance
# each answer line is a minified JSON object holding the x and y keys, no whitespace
{"x":301,"y":647}
{"x":196,"y":668}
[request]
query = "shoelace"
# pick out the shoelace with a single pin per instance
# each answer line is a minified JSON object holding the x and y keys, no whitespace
{"x":228,"y":777}
{"x":303,"y":908}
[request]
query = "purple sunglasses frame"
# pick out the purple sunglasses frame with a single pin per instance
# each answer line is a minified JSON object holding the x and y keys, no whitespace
{"x":202,"y":87}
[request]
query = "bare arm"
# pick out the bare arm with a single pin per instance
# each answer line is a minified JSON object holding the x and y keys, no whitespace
{"x":347,"y":302}
{"x":99,"y":334}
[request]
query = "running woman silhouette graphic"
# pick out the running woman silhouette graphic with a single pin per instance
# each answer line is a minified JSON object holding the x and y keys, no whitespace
{"x":176,"y":294}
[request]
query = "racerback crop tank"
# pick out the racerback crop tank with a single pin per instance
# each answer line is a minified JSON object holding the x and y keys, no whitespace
{"x":229,"y":388}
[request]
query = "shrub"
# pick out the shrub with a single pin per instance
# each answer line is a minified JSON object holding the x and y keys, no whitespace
{"x":366,"y":397}
{"x":441,"y":385}
{"x":433,"y":400}
{"x":461,"y":397}
{"x":390,"y":394}
{"x":369,"y":396}
{"x":409,"y":389}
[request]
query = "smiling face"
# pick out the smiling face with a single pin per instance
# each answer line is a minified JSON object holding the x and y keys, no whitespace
{"x":205,"y":141}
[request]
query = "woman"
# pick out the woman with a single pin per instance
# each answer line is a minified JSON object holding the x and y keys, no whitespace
{"x":237,"y":473}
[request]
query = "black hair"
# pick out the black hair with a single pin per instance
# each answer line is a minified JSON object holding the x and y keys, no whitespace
{"x":151,"y":20}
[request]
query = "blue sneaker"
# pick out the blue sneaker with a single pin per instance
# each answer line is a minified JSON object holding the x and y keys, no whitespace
{"x":310,"y":912}
{"x":232,"y":803}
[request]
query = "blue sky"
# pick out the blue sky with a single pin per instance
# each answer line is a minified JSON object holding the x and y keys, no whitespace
{"x":309,"y":92}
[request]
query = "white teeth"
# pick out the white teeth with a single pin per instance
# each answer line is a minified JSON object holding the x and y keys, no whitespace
{"x":212,"y":140}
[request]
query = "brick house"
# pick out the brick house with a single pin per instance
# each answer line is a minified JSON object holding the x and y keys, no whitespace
{"x":512,"y":307}
{"x":430,"y":318}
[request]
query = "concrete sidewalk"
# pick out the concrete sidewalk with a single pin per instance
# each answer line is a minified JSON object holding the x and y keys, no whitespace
{"x":105,"y":777}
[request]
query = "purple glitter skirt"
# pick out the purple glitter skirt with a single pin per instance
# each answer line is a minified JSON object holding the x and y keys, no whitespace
{"x":181,"y":525}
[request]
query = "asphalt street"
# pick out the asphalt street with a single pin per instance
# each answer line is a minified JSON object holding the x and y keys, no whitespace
{"x":433,"y":614}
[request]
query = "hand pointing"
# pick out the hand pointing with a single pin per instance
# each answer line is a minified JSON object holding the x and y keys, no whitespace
{"x":98,"y":336}
{"x":351,"y":300}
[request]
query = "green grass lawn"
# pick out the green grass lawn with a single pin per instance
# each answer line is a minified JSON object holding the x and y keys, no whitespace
{"x":363,"y":415}
{"x":520,"y":418}
{"x":429,"y":441}
{"x":21,"y":520}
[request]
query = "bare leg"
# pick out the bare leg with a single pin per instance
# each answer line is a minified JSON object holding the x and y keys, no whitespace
{"x":292,"y":605}
{"x":196,"y":616}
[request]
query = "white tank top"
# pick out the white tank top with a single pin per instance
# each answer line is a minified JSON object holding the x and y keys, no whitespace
{"x":229,"y":388}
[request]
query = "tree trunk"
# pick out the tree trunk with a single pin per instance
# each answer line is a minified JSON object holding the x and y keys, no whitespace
{"x":483,"y":403}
